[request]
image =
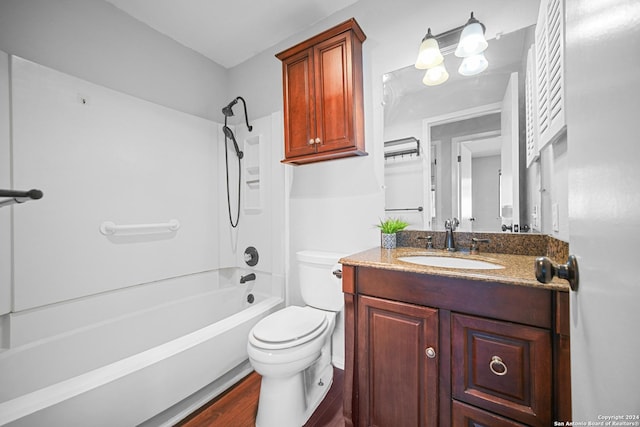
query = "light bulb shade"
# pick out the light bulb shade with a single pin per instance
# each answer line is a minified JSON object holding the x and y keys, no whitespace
{"x":472,"y":65}
{"x":435,"y":76}
{"x":472,"y":39}
{"x":429,"y":53}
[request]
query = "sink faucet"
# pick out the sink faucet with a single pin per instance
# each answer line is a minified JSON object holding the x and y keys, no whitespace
{"x":450,"y":225}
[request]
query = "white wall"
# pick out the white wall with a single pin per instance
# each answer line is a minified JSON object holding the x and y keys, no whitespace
{"x":95,"y":41}
{"x":5,"y":183}
{"x":99,"y":155}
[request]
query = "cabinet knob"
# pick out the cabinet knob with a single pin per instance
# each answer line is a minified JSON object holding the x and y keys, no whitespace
{"x":318,"y":140}
{"x":311,"y":141}
{"x":430,"y":352}
{"x":497,"y":366}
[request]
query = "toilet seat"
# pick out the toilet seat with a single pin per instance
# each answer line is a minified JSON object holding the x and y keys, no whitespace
{"x":288,"y":327}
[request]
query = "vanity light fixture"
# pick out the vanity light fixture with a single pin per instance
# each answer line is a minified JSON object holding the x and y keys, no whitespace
{"x":472,"y":41}
{"x":474,"y":64}
{"x":470,"y":46}
{"x":436,"y":75}
{"x":429,"y":54}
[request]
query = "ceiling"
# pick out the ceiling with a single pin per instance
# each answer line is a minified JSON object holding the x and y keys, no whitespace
{"x":230,"y":32}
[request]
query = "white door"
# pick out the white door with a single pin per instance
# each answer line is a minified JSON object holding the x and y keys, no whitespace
{"x":465,"y":189}
{"x":510,"y":185}
{"x":603,"y":109}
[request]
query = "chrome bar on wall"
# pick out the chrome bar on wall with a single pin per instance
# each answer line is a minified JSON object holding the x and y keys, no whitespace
{"x":401,"y":147}
{"x":109,"y":228}
{"x":19,"y":196}
{"x":419,"y":209}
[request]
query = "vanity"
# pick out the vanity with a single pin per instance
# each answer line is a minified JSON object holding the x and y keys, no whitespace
{"x":441,"y":346}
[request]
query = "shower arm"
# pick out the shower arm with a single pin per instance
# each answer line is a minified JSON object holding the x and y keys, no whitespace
{"x":246,"y":117}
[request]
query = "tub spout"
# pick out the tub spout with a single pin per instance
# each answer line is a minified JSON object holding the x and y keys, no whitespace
{"x":248,"y":277}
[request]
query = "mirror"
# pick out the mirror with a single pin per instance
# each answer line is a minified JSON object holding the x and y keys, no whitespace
{"x":456,"y":150}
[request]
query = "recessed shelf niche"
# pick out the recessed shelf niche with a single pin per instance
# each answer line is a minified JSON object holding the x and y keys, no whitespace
{"x":252,"y":177}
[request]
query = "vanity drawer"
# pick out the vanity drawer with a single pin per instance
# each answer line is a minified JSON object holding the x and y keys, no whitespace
{"x":465,"y":415}
{"x":502,"y":367}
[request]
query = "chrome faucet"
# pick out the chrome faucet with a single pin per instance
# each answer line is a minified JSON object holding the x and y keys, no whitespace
{"x":450,"y":225}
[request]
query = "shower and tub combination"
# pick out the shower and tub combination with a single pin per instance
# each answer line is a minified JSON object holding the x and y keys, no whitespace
{"x":107,"y":327}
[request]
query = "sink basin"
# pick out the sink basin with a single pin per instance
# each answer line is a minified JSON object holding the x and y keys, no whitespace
{"x":451,"y":262}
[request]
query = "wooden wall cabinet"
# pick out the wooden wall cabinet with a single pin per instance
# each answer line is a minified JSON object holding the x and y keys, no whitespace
{"x":323,"y":96}
{"x":427,"y":350}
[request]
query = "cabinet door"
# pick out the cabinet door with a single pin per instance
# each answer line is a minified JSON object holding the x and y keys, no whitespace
{"x":502,"y":367}
{"x":397,"y":363}
{"x":333,"y":84}
{"x":465,"y":416}
{"x":549,"y":36}
{"x":299,"y":105}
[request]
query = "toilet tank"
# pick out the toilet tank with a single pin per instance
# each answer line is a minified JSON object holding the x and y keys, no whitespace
{"x":320,"y":288}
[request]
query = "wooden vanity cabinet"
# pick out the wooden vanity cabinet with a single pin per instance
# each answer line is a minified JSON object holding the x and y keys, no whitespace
{"x":427,"y":350}
{"x":398,"y":343}
{"x":323,"y":96}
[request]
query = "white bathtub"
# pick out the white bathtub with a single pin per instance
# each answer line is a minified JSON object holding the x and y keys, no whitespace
{"x":150,"y":365}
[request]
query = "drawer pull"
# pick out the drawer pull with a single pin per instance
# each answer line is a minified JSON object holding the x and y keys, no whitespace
{"x":430,"y":352}
{"x":499,"y":364}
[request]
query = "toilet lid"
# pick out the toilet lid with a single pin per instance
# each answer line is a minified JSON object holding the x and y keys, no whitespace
{"x":292,"y":325}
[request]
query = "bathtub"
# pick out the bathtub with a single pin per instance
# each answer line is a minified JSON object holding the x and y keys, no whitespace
{"x":147,"y":366}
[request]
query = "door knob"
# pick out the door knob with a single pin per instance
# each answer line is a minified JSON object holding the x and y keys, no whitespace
{"x":545,"y":270}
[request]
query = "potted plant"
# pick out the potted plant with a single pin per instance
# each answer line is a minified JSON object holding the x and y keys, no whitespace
{"x":389,"y":228}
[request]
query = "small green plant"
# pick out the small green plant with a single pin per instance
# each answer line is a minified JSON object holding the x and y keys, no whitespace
{"x":392,"y":225}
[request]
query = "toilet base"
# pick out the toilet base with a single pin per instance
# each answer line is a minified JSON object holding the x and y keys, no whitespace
{"x":290,"y":401}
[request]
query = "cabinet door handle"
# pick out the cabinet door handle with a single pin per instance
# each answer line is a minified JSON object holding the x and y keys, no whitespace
{"x":430,"y":352}
{"x":311,"y":142}
{"x":502,"y":368}
{"x":318,"y":140}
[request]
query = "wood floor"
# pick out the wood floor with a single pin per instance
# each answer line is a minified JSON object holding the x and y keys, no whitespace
{"x":237,"y":407}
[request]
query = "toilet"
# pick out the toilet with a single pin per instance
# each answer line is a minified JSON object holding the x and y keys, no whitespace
{"x":291,"y":348}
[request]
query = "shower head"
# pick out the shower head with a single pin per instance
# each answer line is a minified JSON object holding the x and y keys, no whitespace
{"x":228,"y":133}
{"x":228,"y":111}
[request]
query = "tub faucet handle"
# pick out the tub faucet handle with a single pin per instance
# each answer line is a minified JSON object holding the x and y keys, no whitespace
{"x":251,"y":256}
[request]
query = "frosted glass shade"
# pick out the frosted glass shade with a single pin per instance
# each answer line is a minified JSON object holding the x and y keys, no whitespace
{"x":429,"y":54}
{"x":472,"y":40}
{"x":435,"y":76}
{"x":472,"y":65}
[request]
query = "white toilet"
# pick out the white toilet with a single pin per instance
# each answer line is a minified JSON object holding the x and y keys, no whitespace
{"x":291,"y":348}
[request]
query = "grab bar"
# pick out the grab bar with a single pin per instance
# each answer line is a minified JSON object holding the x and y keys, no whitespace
{"x":109,"y":228}
{"x":19,"y":196}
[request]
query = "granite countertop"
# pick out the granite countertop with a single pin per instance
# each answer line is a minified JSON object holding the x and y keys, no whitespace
{"x":518,"y":269}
